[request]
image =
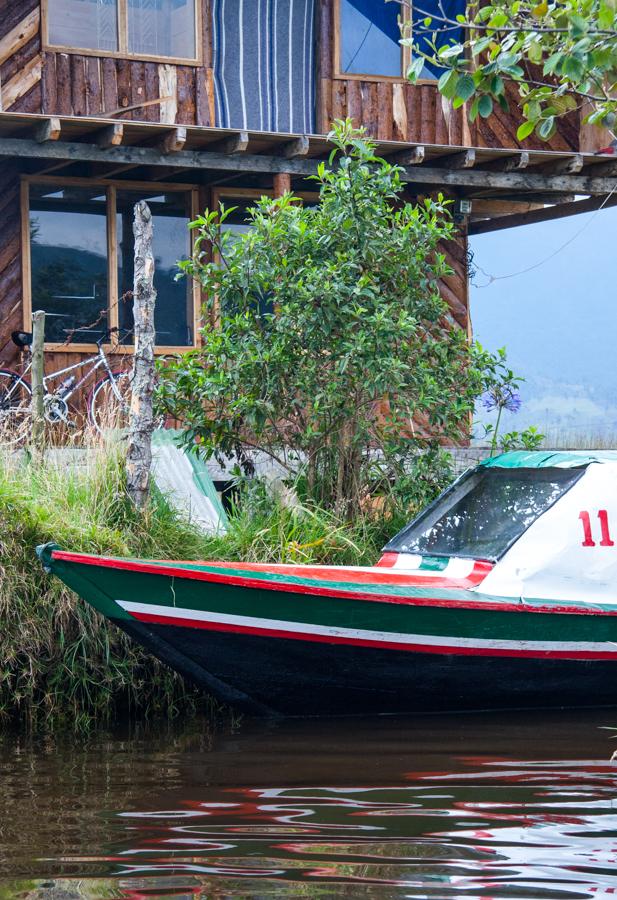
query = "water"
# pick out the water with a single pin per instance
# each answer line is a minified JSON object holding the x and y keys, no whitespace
{"x":495,"y":806}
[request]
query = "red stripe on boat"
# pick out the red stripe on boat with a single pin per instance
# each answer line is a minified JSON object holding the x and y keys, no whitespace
{"x":446,"y":649}
{"x":331,"y":573}
{"x":320,"y":591}
{"x":388,"y":559}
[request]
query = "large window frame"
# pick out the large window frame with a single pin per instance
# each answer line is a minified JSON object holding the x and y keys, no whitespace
{"x":123,"y":51}
{"x":110,"y":186}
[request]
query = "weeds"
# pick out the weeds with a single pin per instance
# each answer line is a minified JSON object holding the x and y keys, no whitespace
{"x":60,"y":662}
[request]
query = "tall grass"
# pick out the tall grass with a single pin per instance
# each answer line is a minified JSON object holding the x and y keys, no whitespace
{"x":59,"y":660}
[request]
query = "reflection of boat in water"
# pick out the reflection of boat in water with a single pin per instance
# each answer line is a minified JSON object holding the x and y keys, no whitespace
{"x":515,"y":805}
{"x":503,"y":593}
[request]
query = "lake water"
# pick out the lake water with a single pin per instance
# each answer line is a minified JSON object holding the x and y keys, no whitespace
{"x":496,"y":806}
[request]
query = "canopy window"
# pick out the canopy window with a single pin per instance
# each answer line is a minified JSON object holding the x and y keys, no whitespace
{"x":370,"y":34}
{"x":143,"y":28}
{"x":484,"y":513}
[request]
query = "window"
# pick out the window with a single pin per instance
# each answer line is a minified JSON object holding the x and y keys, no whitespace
{"x":68,"y":257}
{"x":173,"y":313}
{"x":143,"y":28}
{"x":485,"y":513}
{"x":369,"y":38}
{"x":369,"y":34}
{"x":81,"y":260}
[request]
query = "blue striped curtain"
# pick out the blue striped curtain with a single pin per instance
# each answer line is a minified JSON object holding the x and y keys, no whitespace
{"x":264,"y":64}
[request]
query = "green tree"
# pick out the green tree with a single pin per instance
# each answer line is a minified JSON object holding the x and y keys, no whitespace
{"x":560,"y":55}
{"x":327,"y":344}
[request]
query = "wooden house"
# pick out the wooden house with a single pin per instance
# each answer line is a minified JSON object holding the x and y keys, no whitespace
{"x":188,"y":102}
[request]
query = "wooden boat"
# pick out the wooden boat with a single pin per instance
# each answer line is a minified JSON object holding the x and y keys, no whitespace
{"x":501,"y":594}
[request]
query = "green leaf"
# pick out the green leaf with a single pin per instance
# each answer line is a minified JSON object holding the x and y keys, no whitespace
{"x":578,"y":25}
{"x":535,"y":52}
{"x":540,"y":10}
{"x":523,"y":131}
{"x":427,"y":22}
{"x":485,"y":106}
{"x":465,"y":87}
{"x":415,"y":69}
{"x":546,"y":129}
{"x":447,"y":84}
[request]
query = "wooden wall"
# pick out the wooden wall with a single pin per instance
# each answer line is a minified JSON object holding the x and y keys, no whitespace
{"x":54,"y":83}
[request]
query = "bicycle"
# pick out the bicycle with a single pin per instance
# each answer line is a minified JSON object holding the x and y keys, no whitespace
{"x":108,"y":402}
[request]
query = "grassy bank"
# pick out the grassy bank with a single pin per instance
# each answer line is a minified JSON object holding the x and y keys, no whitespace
{"x":59,"y":661}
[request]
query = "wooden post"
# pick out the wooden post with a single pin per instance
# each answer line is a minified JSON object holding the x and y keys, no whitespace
{"x":38,"y":389}
{"x":139,"y":454}
{"x":281,"y":184}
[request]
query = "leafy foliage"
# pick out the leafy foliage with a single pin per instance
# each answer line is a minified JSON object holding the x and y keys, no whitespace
{"x":327,"y":343}
{"x":561,"y":55}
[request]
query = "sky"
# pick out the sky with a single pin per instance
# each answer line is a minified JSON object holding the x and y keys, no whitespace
{"x":557,"y":321}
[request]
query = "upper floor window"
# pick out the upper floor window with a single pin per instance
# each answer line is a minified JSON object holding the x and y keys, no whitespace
{"x":369,"y":38}
{"x":369,"y":32}
{"x":142,"y":28}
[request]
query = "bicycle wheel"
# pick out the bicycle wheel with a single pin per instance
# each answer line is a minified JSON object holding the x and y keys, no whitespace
{"x":15,"y":396}
{"x":109,"y":403}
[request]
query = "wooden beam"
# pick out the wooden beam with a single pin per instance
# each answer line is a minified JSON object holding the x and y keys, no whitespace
{"x":511,"y":181}
{"x":235,"y":143}
{"x":26,"y":78}
{"x":483,"y":208}
{"x":438,"y":178}
{"x":606,"y":167}
{"x":560,"y":211}
{"x":295,"y":148}
{"x":111,"y":136}
{"x":464,"y":160}
{"x":49,"y":130}
{"x":18,"y":36}
{"x":508,"y":163}
{"x":174,"y":141}
{"x":569,"y":166}
{"x":412,"y":157}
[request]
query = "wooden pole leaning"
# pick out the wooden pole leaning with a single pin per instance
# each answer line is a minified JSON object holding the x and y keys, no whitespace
{"x":38,"y":388}
{"x":139,"y":452}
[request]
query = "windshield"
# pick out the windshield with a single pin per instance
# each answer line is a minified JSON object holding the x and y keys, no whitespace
{"x":482,"y":515}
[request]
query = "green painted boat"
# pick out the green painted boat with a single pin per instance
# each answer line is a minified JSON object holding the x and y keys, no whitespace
{"x":501,"y":594}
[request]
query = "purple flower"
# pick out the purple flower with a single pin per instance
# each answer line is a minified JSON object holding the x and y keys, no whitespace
{"x":502,"y":397}
{"x":514,"y":402}
{"x":488,"y":401}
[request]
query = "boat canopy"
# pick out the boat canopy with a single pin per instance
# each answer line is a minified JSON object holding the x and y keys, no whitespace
{"x":488,"y":508}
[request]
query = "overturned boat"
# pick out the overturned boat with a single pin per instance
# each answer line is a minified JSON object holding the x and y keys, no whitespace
{"x":501,"y":594}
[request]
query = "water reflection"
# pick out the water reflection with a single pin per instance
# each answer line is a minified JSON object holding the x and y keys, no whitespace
{"x":522,"y":806}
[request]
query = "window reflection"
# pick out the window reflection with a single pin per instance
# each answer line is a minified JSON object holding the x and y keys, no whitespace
{"x":164,"y":28}
{"x":68,"y":252}
{"x":87,"y":24}
{"x":485,"y":513}
{"x":370,"y":37}
{"x":171,"y":242}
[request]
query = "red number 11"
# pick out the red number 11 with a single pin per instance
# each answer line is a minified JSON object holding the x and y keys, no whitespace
{"x":604,"y":529}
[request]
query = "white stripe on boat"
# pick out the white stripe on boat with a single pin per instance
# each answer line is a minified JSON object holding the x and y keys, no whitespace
{"x":357,"y":634}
